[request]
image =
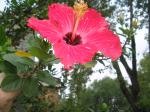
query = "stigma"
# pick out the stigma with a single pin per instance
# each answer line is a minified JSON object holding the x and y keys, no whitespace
{"x":80,"y":7}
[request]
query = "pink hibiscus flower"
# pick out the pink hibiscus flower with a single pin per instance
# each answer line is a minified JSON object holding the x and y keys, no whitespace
{"x":77,"y":33}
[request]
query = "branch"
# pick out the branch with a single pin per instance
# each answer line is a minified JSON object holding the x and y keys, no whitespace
{"x":133,"y":77}
{"x":135,"y":87}
{"x":123,"y":87}
{"x":133,"y":44}
{"x":149,"y":25}
{"x":126,"y":66}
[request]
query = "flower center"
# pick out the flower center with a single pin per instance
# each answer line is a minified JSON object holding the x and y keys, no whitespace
{"x":68,"y":40}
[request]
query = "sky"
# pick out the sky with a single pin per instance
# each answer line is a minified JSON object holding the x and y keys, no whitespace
{"x":141,"y":45}
{"x":2,"y":4}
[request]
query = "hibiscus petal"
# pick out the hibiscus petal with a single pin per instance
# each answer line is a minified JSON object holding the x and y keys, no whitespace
{"x":91,"y":21}
{"x":70,"y":55}
{"x":92,"y":28}
{"x":106,"y":42}
{"x":46,"y":29}
{"x":62,"y":14}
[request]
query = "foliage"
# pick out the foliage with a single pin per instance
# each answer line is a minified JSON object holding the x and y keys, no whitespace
{"x":24,"y":71}
{"x":144,"y":80}
{"x":101,"y":96}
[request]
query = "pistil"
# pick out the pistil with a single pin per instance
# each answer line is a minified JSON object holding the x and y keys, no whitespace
{"x":80,"y":8}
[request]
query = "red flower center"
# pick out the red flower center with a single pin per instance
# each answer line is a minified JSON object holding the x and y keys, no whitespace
{"x":68,"y":40}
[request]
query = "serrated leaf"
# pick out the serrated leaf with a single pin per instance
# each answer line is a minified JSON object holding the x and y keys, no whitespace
{"x":30,"y":87}
{"x":11,"y":83}
{"x":45,"y":77}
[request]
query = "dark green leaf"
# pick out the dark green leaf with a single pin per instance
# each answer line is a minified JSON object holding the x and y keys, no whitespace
{"x":22,"y":64}
{"x":30,"y":87}
{"x":11,"y":83}
{"x":26,"y":61}
{"x":2,"y":36}
{"x":22,"y":68}
{"x":13,"y":59}
{"x":14,"y":2}
{"x":10,"y":58}
{"x":45,"y":77}
{"x":7,"y":68}
{"x":38,"y":43}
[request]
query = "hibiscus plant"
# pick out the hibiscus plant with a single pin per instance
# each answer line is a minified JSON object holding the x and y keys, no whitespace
{"x":73,"y":36}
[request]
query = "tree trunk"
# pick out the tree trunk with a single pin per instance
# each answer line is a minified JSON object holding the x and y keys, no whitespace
{"x":6,"y":98}
{"x":131,"y":93}
{"x":135,"y":85}
{"x":129,"y":96}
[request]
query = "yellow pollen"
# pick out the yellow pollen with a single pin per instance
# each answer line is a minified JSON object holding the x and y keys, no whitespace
{"x":80,"y":7}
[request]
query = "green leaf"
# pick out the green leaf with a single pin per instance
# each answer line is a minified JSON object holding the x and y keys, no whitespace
{"x":31,"y":42}
{"x":14,"y":2}
{"x":22,"y":68}
{"x":26,"y":61}
{"x":13,"y":59}
{"x":54,"y":61}
{"x":38,"y":43}
{"x":39,"y":53}
{"x":22,"y":64}
{"x":104,"y":107}
{"x":45,"y":45}
{"x":2,"y":36}
{"x":125,"y":31}
{"x":31,"y":2}
{"x":7,"y":68}
{"x":45,"y":77}
{"x":90,"y":64}
{"x":11,"y":83}
{"x":30,"y":87}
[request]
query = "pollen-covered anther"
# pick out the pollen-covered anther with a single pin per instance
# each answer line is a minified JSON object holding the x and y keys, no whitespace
{"x":80,"y":7}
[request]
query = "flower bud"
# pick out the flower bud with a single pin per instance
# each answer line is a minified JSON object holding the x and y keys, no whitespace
{"x":135,"y":23}
{"x":121,"y":18}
